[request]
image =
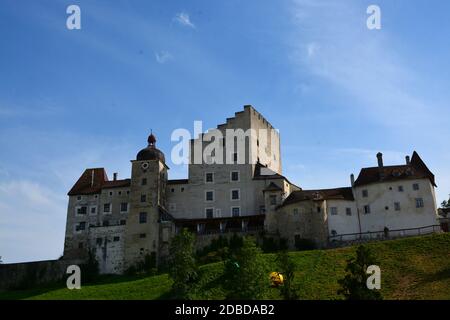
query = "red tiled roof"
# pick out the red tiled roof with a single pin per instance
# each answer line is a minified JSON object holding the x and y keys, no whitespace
{"x":416,"y":169}
{"x":319,"y":195}
{"x":93,"y":181}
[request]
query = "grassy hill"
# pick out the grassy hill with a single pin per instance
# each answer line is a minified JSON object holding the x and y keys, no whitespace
{"x":412,"y":268}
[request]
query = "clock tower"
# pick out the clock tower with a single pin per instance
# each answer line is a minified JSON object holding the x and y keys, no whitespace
{"x":147,"y":199}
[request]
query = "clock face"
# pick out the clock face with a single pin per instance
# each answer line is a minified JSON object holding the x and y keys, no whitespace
{"x":144,"y":165}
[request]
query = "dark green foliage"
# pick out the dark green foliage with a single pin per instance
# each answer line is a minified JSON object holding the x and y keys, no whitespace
{"x":287,"y":269}
{"x":219,"y":249}
{"x":445,"y":204}
{"x":147,"y":266}
{"x":270,"y":244}
{"x":304,"y":244}
{"x":90,"y":269}
{"x":353,"y":285}
{"x":246,"y":274}
{"x":183,"y":267}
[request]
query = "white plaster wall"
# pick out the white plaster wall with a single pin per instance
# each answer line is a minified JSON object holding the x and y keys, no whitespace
{"x":342,"y":223}
{"x":382,"y":195}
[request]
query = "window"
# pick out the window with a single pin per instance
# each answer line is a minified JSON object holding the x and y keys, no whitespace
{"x":234,"y":176}
{"x":235,"y":157}
{"x":397,"y":206}
{"x":80,"y":245}
{"x":94,"y":210}
{"x":400,"y":188}
{"x":334,"y":211}
{"x":144,"y":181}
{"x":262,"y":209}
{"x":172,"y":190}
{"x":365,"y":193}
{"x":209,"y":195}
{"x":318,"y":209}
{"x":182,"y":189}
{"x":209,"y":177}
{"x":366,"y":209}
{"x":81,"y":226}
{"x":123,"y":222}
{"x":124,"y":207}
{"x":120,"y":193}
{"x":273,"y":200}
{"x":128,"y":192}
{"x":235,"y":211}
{"x":419,"y":203}
{"x":107,"y":208}
{"x":82,"y":210}
{"x":115,"y":239}
{"x":143,"y":198}
{"x":143,"y":217}
{"x":416,"y":186}
{"x":106,"y":223}
{"x":348,"y":211}
{"x":142,"y":235}
{"x":110,"y":193}
{"x":235,"y":194}
{"x":79,"y":198}
{"x":99,"y":241}
{"x":209,"y":213}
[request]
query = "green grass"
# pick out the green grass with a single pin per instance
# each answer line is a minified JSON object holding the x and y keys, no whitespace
{"x":412,"y":268}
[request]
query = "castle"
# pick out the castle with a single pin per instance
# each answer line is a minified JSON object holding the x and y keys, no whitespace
{"x":123,"y":221}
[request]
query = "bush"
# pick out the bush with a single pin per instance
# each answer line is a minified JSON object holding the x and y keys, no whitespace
{"x":353,"y":285}
{"x":304,"y":244}
{"x":183,"y":267}
{"x":246,"y":274}
{"x":287,"y":267}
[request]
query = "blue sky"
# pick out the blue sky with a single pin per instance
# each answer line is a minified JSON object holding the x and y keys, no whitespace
{"x":338,"y":92}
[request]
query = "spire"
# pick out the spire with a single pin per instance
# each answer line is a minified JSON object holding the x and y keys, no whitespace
{"x":151,"y":139}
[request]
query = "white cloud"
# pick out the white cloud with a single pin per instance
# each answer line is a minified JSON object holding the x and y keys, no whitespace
{"x":358,"y":61}
{"x":32,"y":221}
{"x":183,"y":19}
{"x":163,"y":57}
{"x":311,"y":49}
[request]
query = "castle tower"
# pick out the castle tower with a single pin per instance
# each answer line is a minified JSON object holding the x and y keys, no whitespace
{"x":147,"y":199}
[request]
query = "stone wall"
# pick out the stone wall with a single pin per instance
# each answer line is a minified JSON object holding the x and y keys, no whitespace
{"x":29,"y":274}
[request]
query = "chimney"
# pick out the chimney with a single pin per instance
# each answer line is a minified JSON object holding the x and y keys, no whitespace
{"x":380,"y":159}
{"x":380,"y":164}
{"x":407,"y":160}
{"x":115,"y":176}
{"x":352,"y":179}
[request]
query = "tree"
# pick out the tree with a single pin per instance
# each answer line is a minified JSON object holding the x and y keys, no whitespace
{"x":445,"y":204}
{"x":183,"y":266}
{"x":354,"y":284}
{"x":287,"y":268}
{"x":246,"y":275}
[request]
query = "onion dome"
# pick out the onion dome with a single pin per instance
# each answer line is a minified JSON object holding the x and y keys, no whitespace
{"x":151,"y":152}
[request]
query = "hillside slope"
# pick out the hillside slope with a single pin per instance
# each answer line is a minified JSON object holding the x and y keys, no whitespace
{"x":412,"y":268}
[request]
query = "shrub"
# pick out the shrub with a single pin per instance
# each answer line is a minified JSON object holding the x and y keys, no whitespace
{"x":246,"y":274}
{"x":183,"y":267}
{"x":353,"y":285}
